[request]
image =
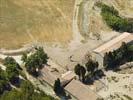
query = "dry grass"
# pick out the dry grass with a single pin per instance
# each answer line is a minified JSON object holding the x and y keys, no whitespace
{"x":95,"y":22}
{"x":125,"y":7}
{"x":96,"y":25}
{"x":24,"y":21}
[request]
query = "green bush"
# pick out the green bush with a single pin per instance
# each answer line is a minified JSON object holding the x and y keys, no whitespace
{"x":35,"y":61}
{"x":12,"y":70}
{"x":112,"y":19}
{"x":26,"y":92}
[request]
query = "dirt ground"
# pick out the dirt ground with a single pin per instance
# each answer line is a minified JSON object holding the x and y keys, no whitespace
{"x":117,"y":84}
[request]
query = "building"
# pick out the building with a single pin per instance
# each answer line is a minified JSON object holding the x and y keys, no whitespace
{"x":114,"y":43}
{"x":111,"y":45}
{"x":80,"y":91}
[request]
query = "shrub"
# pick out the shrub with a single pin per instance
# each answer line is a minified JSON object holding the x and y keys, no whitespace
{"x":113,"y":20}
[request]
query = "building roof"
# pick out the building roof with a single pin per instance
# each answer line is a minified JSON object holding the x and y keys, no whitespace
{"x":68,"y":75}
{"x":115,"y":43}
{"x":48,"y":76}
{"x":80,"y":91}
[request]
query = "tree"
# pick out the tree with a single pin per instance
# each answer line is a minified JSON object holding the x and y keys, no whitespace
{"x":113,"y":59}
{"x":124,"y":49}
{"x":77,"y":70}
{"x":4,"y":85}
{"x":58,"y":89}
{"x":91,"y":66}
{"x":42,"y":56}
{"x":11,"y":95}
{"x":108,"y":60}
{"x":12,"y":74}
{"x":80,"y":71}
{"x":24,"y":57}
{"x":11,"y":61}
{"x":26,"y":92}
{"x":1,"y":86}
{"x":12,"y":70}
{"x":83,"y":72}
{"x":36,"y":61}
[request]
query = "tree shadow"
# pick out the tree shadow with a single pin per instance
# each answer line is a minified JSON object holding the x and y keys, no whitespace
{"x":16,"y":81}
{"x":90,"y":79}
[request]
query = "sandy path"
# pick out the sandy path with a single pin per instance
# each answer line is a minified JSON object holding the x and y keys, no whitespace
{"x":26,"y":48}
{"x":76,"y":33}
{"x":87,"y":11}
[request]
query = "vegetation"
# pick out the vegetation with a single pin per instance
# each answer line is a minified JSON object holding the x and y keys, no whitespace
{"x":127,"y":97}
{"x":89,"y":71}
{"x":11,"y":61}
{"x":24,"y":57}
{"x":10,"y":75}
{"x":59,"y":90}
{"x":118,"y":57}
{"x":12,"y":70}
{"x":35,"y":61}
{"x":26,"y":92}
{"x":4,"y":85}
{"x":93,"y":71}
{"x":91,"y":66}
{"x":80,"y":71}
{"x":112,"y":18}
{"x":100,"y":99}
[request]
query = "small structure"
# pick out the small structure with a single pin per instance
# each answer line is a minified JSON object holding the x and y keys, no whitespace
{"x":80,"y":91}
{"x":68,"y":75}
